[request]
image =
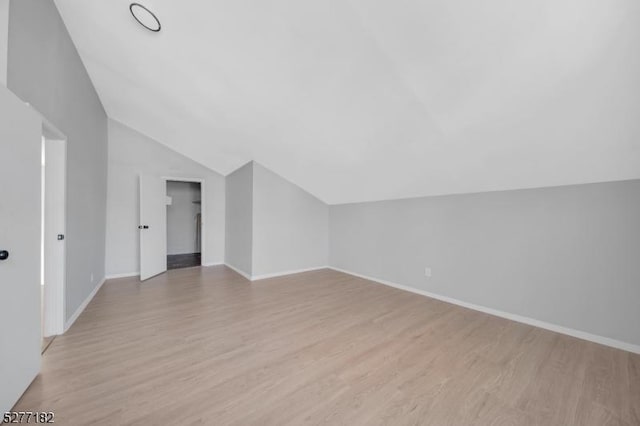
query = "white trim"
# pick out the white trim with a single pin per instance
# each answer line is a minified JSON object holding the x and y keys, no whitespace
{"x":203,"y":209}
{"x":82,"y":306}
{"x":50,"y":129}
{"x":280,"y":274}
{"x":137,"y":274}
{"x":184,"y":179}
{"x":240,"y":271}
{"x":54,"y":274}
{"x":124,"y":275}
{"x":630,"y":347}
{"x":275,"y":274}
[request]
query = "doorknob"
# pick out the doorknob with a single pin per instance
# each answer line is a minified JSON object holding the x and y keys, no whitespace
{"x":143,"y":227}
{"x":4,"y":255}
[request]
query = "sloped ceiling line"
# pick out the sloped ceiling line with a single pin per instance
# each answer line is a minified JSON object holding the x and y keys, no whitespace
{"x":358,"y":101}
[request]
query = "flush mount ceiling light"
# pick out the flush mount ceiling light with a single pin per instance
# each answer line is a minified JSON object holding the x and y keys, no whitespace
{"x":145,"y":17}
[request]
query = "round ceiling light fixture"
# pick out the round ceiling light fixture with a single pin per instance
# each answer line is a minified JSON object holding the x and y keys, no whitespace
{"x":145,"y":17}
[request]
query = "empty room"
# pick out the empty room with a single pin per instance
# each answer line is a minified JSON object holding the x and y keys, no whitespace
{"x":329,"y":212}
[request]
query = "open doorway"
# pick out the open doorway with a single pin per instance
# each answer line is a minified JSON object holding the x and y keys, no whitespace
{"x":184,"y":224}
{"x":53,"y":228}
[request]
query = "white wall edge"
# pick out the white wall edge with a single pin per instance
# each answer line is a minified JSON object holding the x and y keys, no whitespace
{"x":125,"y":275}
{"x":82,"y":307}
{"x":241,"y":272}
{"x":280,"y":274}
{"x":606,"y":341}
{"x":212,"y":264}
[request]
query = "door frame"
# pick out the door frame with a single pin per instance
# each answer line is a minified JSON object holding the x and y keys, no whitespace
{"x":54,"y":299}
{"x":203,"y":210}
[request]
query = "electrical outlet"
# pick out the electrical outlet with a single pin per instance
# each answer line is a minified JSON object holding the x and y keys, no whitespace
{"x":427,"y":272}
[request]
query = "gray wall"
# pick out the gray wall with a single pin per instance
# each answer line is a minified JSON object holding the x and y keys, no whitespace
{"x":45,"y":70}
{"x":565,"y":255}
{"x":4,"y":40}
{"x":131,"y":154}
{"x":290,"y":226}
{"x":181,"y":217}
{"x":239,"y":218}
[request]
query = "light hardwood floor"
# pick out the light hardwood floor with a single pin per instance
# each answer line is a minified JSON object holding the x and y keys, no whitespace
{"x":205,"y":346}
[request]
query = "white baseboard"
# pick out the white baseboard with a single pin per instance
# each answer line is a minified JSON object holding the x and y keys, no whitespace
{"x":280,"y":274}
{"x":136,"y":274}
{"x":630,"y":347}
{"x":82,"y":306}
{"x":125,"y":275}
{"x":272,"y":275}
{"x":240,"y":271}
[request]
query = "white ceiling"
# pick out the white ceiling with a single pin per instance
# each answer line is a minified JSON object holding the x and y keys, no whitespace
{"x":364,"y":100}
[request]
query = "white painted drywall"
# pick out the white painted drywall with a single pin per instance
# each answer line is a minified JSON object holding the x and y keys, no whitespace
{"x":372,"y":100}
{"x":132,"y":154}
{"x":239,"y":222}
{"x":290,"y":226}
{"x":181,"y":217}
{"x":566,"y":255}
{"x":45,"y":70}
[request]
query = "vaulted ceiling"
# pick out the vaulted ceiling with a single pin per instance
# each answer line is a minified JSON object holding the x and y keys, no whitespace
{"x":358,"y":100}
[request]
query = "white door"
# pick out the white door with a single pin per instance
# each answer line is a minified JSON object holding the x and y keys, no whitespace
{"x":153,"y":226}
{"x":20,"y":168}
{"x":55,"y":182}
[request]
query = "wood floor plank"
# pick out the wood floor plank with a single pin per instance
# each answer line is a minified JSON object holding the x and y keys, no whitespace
{"x":206,"y":346}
